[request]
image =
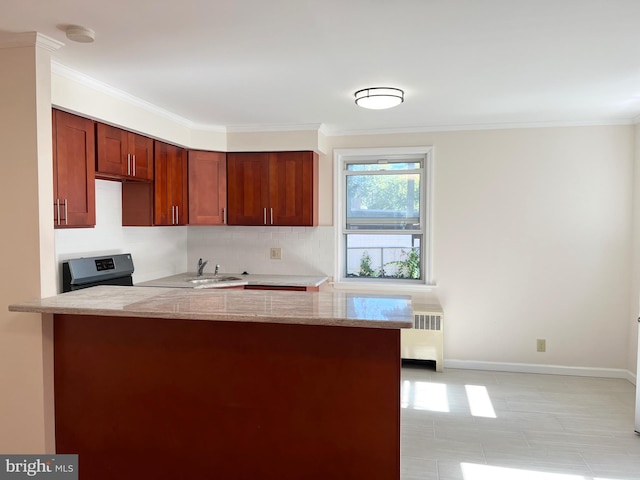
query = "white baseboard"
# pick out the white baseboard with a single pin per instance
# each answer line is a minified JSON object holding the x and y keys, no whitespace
{"x":543,"y":369}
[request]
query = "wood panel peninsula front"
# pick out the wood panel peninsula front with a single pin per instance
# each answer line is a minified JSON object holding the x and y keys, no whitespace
{"x":171,"y":383}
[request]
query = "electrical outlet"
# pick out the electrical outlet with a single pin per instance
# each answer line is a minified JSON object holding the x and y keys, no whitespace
{"x":541,"y":345}
{"x":276,"y":254}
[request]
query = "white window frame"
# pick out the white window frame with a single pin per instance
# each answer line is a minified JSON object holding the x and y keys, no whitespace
{"x":341,"y":157}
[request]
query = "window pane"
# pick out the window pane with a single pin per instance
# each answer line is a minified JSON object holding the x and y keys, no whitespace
{"x":383,"y":166}
{"x":383,"y":256}
{"x":388,"y":202}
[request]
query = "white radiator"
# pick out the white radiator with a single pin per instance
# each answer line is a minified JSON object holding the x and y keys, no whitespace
{"x":425,"y":340}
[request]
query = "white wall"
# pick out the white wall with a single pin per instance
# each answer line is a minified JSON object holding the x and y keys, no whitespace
{"x":532,"y":232}
{"x":634,"y":300}
{"x":274,"y":141}
{"x":76,"y":93}
{"x":26,"y":193}
{"x":535,"y":242}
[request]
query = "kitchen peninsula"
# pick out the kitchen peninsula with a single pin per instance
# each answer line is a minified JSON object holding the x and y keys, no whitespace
{"x":173,"y":383}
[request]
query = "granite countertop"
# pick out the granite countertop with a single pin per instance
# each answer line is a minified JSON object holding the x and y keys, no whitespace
{"x":340,"y":309}
{"x":181,"y":280}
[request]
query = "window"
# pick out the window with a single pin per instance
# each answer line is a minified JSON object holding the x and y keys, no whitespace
{"x":382,"y":215}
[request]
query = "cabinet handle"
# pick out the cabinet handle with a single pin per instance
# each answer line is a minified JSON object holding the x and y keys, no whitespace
{"x":133,"y":157}
{"x":177,"y":215}
{"x":128,"y":164}
{"x":173,"y":215}
{"x":57,"y":214}
{"x":224,"y":216}
{"x":271,"y":215}
{"x":265,"y":215}
{"x":66,"y":213}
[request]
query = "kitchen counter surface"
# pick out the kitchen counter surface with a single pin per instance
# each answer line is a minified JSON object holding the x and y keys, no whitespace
{"x":181,"y":280}
{"x":344,"y":309}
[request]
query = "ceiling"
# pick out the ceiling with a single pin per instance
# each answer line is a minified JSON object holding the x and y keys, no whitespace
{"x":282,"y":64}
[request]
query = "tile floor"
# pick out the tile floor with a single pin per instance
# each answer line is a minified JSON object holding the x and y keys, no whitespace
{"x":479,"y":425}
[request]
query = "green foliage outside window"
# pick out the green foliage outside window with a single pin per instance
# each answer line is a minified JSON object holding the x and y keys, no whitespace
{"x":408,"y":267}
{"x":387,"y":193}
{"x":366,"y":270}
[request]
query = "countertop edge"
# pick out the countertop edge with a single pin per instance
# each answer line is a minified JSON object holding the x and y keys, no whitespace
{"x":134,"y":306}
{"x":335,"y":322}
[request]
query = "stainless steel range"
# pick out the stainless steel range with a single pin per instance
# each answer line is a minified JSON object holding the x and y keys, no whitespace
{"x":87,"y":272}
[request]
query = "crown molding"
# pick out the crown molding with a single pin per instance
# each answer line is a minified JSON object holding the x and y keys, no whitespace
{"x":484,"y":126}
{"x":48,"y":43}
{"x":303,"y":127}
{"x":29,"y":39}
{"x":81,"y":78}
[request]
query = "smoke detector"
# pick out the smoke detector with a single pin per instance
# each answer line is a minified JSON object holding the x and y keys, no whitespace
{"x":80,"y":34}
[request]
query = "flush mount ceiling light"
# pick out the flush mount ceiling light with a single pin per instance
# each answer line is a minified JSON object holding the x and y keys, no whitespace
{"x":80,"y":34}
{"x":379,"y":98}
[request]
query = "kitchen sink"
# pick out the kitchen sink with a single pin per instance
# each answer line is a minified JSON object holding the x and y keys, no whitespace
{"x":216,"y":279}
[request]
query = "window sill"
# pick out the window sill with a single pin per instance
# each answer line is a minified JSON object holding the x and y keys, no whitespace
{"x":393,"y":288}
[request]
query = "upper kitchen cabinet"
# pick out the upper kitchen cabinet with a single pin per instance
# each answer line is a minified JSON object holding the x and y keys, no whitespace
{"x":247,"y":188}
{"x":293,"y":188}
{"x":170,"y":186}
{"x":277,"y":188}
{"x":123,"y":155}
{"x":73,"y":170}
{"x":207,"y":188}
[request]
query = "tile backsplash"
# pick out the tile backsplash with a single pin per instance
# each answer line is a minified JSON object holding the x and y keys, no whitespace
{"x":305,"y":250}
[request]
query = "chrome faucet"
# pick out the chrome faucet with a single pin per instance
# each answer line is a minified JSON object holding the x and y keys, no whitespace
{"x":216,"y":271}
{"x":201,"y":266}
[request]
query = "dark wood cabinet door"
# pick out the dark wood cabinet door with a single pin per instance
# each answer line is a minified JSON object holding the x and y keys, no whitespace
{"x":163,"y":210}
{"x":291,"y":188}
{"x":123,"y":154}
{"x":112,"y":151}
{"x":248,"y":188}
{"x":170,"y":185}
{"x":177,"y":184}
{"x":207,"y":187}
{"x":141,"y":149}
{"x":74,"y":170}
